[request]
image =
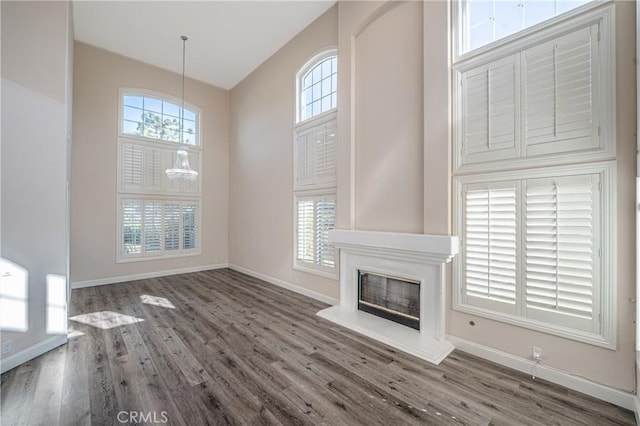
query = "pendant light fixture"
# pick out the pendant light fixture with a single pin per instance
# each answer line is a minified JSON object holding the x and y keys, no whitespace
{"x":181,"y":170}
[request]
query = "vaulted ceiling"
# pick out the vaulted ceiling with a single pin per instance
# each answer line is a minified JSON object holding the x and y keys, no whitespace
{"x":227,"y":39}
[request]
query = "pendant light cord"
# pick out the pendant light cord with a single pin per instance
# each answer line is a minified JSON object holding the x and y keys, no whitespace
{"x":184,"y":41}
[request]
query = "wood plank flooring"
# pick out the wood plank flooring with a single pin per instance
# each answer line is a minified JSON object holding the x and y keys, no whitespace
{"x":222,"y":348}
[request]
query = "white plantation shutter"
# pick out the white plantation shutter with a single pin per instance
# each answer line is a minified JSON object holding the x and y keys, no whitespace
{"x":172,"y":226}
{"x":325,"y":153}
{"x":305,"y":230}
{"x":315,"y":218}
{"x":131,"y":166}
{"x":304,"y":157}
{"x":562,"y":259}
{"x":153,"y":226}
{"x":131,"y":227}
{"x":143,"y":169}
{"x":490,"y":233}
{"x":489,"y":111}
{"x":315,"y":156}
{"x":561,"y":93}
{"x":154,"y":169}
{"x":190,"y":226}
{"x":325,"y":221}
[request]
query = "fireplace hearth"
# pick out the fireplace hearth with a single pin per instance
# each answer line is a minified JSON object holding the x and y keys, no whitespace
{"x":402,"y":301}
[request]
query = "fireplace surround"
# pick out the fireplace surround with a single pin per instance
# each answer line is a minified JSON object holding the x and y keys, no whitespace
{"x":414,"y":258}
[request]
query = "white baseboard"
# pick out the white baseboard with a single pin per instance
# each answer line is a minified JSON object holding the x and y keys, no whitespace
{"x":146,"y":275}
{"x":615,"y":396}
{"x":27,"y":354}
{"x":289,"y":286}
{"x":636,"y":408}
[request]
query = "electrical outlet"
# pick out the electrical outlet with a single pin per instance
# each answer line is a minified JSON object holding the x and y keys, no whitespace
{"x":536,"y":353}
{"x":7,"y":346}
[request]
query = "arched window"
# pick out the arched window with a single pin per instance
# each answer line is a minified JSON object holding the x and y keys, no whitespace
{"x":317,"y":85}
{"x":154,"y":117}
{"x":157,"y":217}
{"x":314,"y":159}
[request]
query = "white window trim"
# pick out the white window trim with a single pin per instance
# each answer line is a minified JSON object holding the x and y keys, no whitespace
{"x":458,"y":17}
{"x":163,"y":195}
{"x":313,"y":61}
{"x":307,"y":267}
{"x":608,"y":240}
{"x":122,"y":258}
{"x":586,"y":15}
{"x":122,"y":92}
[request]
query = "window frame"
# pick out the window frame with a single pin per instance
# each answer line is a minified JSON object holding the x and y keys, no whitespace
{"x":607,"y":238}
{"x":304,"y":266}
{"x":458,"y":23}
{"x":539,"y":166}
{"x":309,"y":65}
{"x":162,"y":254}
{"x":167,"y":192}
{"x":598,"y":12}
{"x":122,"y":92}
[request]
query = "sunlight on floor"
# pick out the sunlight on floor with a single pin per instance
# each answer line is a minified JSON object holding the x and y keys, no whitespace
{"x":74,"y":333}
{"x":105,"y":319}
{"x":157,"y":301}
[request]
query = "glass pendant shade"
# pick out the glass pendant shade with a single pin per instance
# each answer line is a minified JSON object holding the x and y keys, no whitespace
{"x":181,"y":169}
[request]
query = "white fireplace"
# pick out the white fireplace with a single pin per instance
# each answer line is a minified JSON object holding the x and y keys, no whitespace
{"x":415,"y":258}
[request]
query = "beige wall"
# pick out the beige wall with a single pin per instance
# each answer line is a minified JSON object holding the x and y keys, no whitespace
{"x":98,"y":74}
{"x":36,"y":69}
{"x":388,"y":121}
{"x":261,"y":160}
{"x":610,"y":367}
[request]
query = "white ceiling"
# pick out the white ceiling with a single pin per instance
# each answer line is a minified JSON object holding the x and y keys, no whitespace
{"x":227,"y":39}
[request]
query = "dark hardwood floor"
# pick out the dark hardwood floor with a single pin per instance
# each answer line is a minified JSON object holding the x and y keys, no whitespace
{"x":220,"y":347}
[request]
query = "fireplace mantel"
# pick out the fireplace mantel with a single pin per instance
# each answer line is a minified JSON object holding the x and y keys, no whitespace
{"x":418,"y":257}
{"x":434,"y":249}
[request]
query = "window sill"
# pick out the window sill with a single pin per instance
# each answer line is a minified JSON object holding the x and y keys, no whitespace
{"x":580,"y":336}
{"x":148,"y":257}
{"x":331,"y":273}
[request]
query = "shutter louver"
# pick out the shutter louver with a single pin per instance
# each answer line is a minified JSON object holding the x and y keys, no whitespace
{"x":561,"y":94}
{"x":304,"y":158}
{"x":189,"y":226}
{"x":172,"y":226}
{"x":154,"y":169}
{"x":131,"y":227}
{"x":489,"y":111}
{"x":152,"y":226}
{"x":305,"y":230}
{"x":325,"y":152}
{"x":325,"y":218}
{"x":490,"y":249}
{"x":132,"y":167}
{"x":561,"y":271}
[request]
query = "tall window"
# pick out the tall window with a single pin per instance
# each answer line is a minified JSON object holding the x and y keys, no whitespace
{"x":314,"y":161}
{"x":534,"y":171}
{"x":485,"y":21}
{"x":157,"y":217}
